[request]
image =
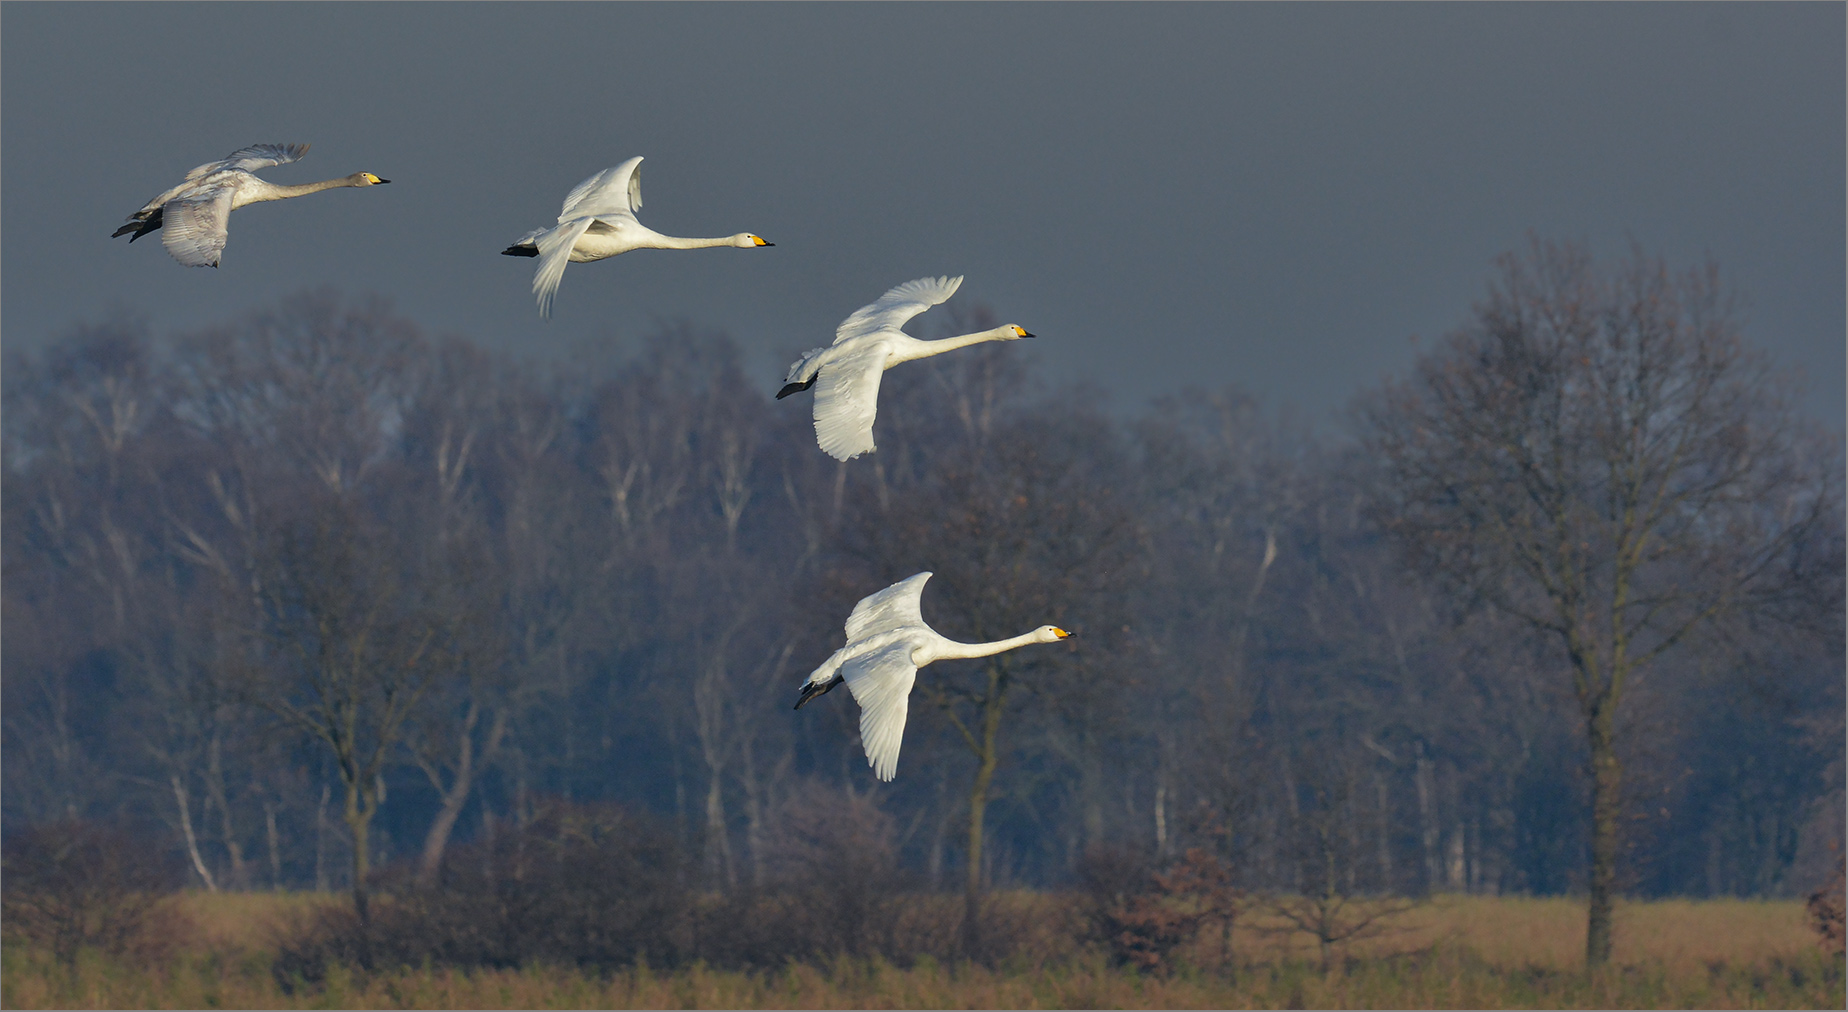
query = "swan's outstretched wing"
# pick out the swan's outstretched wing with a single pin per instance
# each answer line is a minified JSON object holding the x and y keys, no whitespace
{"x":847,"y":399}
{"x":554,"y":252}
{"x":893,"y":608}
{"x":881,"y":682}
{"x":193,"y":227}
{"x":897,"y":306}
{"x":612,"y":191}
{"x":252,"y":158}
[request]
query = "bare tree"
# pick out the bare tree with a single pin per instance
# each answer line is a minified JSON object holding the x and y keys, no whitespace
{"x":349,"y":650}
{"x":462,"y":417}
{"x":1600,"y":455}
{"x":346,"y":627}
{"x":1324,"y":841}
{"x":77,"y":542}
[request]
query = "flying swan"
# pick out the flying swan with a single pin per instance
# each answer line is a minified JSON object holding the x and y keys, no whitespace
{"x":192,"y":216}
{"x":887,"y":642}
{"x":867,"y":344}
{"x":598,"y":221}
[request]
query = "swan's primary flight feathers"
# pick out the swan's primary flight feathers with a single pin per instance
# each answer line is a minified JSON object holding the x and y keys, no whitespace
{"x":895,"y":308}
{"x":899,"y":606}
{"x":612,"y":191}
{"x":250,"y":159}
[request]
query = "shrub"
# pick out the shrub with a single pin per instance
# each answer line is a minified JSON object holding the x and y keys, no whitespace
{"x":832,"y":886}
{"x":74,"y":884}
{"x":1826,"y":909}
{"x":1144,"y":915}
{"x":587,"y":885}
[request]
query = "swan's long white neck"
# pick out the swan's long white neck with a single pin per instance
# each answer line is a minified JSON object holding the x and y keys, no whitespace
{"x":678,"y":242}
{"x":949,"y":649}
{"x":924,"y":349}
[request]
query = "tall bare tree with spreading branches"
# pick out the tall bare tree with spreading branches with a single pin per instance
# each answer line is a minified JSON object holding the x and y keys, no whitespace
{"x":1600,"y":455}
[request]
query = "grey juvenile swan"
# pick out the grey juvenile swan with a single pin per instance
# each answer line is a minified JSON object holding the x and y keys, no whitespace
{"x":192,"y":216}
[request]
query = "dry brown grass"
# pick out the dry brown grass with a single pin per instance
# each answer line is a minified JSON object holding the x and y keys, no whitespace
{"x":233,"y":924}
{"x":1454,"y":952}
{"x":1511,"y":932}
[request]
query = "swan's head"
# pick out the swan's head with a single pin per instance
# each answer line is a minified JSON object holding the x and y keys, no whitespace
{"x":745,"y":240}
{"x":1050,"y":634}
{"x":365,"y":179}
{"x":1014,"y":332}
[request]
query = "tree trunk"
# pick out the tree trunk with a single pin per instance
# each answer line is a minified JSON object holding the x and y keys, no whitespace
{"x":1606,"y":807}
{"x":972,"y":884}
{"x":192,"y":841}
{"x":436,"y":841}
{"x":718,"y":836}
{"x":455,"y":797}
{"x":1427,"y":818}
{"x":320,"y":841}
{"x":359,"y":825}
{"x":275,"y":847}
{"x":217,"y":795}
{"x":933,"y":864}
{"x":987,"y":759}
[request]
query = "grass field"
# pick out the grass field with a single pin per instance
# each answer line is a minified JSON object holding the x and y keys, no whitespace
{"x":215,"y":951}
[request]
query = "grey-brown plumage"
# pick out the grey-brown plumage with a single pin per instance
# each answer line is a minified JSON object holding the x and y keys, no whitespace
{"x":193,"y":216}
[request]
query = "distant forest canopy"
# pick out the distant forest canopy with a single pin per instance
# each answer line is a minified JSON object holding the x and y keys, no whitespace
{"x":315,"y":576}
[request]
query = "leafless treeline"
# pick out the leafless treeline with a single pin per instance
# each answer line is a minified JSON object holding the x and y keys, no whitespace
{"x":314,"y":591}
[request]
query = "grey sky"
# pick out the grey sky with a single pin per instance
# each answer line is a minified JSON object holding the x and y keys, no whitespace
{"x":1273,"y":195}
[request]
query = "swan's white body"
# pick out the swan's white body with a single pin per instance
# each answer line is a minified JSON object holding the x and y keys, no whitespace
{"x":598,"y":221}
{"x":193,"y":216}
{"x":846,"y":374}
{"x":887,"y":642}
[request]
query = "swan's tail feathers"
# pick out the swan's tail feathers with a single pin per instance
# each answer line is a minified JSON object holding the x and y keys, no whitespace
{"x":823,"y":679}
{"x":139,"y":226}
{"x":802,"y":370}
{"x":813,"y":689}
{"x":517,"y":250}
{"x":794,"y":388}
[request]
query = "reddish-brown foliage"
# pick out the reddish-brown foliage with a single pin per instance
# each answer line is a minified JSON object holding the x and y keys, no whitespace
{"x":1146,"y":918}
{"x":1827,"y":911}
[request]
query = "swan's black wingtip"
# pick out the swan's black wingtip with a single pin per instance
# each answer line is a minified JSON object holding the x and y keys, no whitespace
{"x":813,"y":689}
{"x":517,"y":250}
{"x":794,"y":388}
{"x":138,"y":227}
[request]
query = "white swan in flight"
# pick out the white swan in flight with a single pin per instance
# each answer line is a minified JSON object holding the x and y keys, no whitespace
{"x":193,"y":215}
{"x":887,"y":642}
{"x":867,"y":344}
{"x":598,"y":221}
